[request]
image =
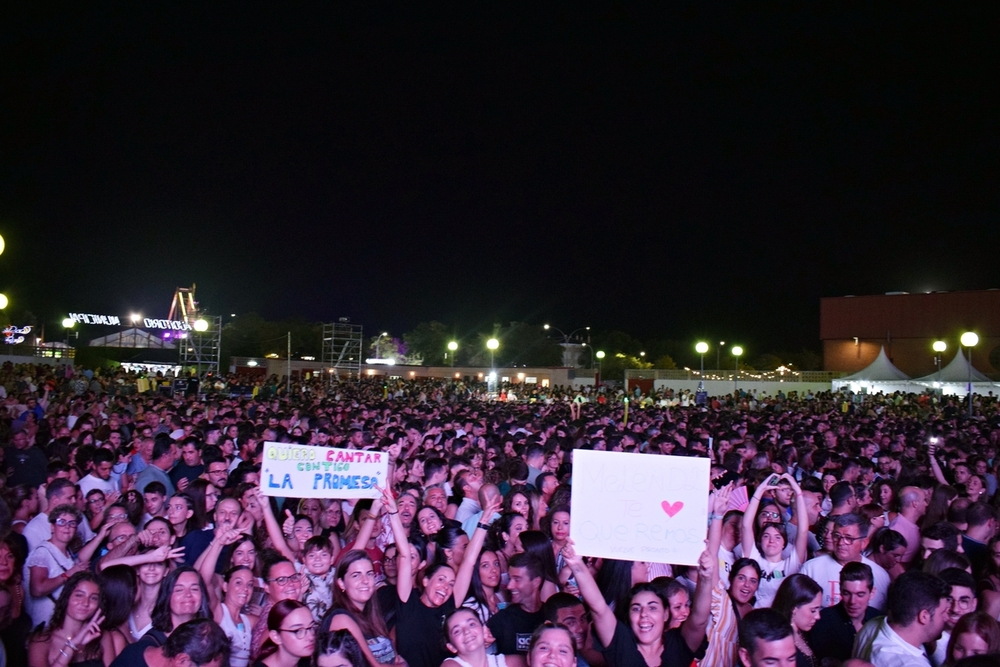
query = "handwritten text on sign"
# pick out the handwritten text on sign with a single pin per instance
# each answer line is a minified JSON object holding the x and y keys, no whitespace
{"x":304,"y":471}
{"x":639,"y":506}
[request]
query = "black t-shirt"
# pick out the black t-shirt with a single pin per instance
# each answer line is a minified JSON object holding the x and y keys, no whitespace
{"x":624,"y":650}
{"x":834,"y":633}
{"x":183,"y":470}
{"x":388,"y":604}
{"x":25,"y":466}
{"x":195,"y":544}
{"x":513,"y":627}
{"x":420,"y":632}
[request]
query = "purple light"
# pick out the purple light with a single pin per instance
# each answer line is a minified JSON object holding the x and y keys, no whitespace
{"x":166,"y":335}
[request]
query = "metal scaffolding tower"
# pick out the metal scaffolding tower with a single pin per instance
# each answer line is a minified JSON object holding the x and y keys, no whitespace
{"x":342,"y":349}
{"x":200,"y":348}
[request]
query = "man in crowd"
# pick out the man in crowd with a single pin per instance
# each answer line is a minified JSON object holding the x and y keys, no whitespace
{"x":766,"y":640}
{"x":850,"y":534}
{"x":513,"y":625}
{"x":917,"y":611}
{"x":912,"y":507}
{"x":834,"y":632}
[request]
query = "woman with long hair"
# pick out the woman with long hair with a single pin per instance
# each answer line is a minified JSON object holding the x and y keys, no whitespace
{"x":937,"y":509}
{"x":617,"y":578}
{"x":518,"y":499}
{"x":237,"y":587}
{"x":766,"y":545}
{"x":118,"y":590}
{"x":465,"y":636}
{"x":182,"y":597}
{"x":450,"y":545}
{"x":536,"y":543}
{"x":485,"y":592}
{"x":976,"y":633}
{"x":443,"y":589}
{"x":430,"y":521}
{"x":180,"y":514}
{"x":73,"y":635}
{"x":507,"y":536}
{"x":800,"y":599}
{"x":12,"y":634}
{"x":638,"y":633}
{"x":23,"y":502}
{"x":291,"y":635}
{"x":356,"y":607}
{"x":556,"y":526}
{"x":338,"y":649}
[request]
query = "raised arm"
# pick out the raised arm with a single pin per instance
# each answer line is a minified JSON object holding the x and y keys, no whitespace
{"x":802,"y":519}
{"x":715,"y":523}
{"x":209,"y":558}
{"x":90,"y":548}
{"x":273,"y":529}
{"x":746,"y":528}
{"x":404,"y":566}
{"x":604,"y":619}
{"x":463,"y":578}
{"x":693,"y":629}
{"x":935,"y":466}
{"x":159,"y":555}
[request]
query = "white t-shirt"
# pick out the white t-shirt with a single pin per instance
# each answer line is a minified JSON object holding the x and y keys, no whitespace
{"x":825,"y":571}
{"x":49,"y":557}
{"x":772,"y":574}
{"x":91,"y":482}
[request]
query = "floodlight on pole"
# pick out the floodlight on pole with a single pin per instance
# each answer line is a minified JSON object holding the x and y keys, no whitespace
{"x":939,"y":346}
{"x":970,"y":339}
{"x":701,"y":348}
{"x":3,"y":301}
{"x":452,"y":347}
{"x":200,"y":325}
{"x":68,"y":322}
{"x":135,"y":317}
{"x":737,"y":351}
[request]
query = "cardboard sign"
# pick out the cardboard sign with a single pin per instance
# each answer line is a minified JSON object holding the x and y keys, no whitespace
{"x":639,"y":506}
{"x":306,"y":471}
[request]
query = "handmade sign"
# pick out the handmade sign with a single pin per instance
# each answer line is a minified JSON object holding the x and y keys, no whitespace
{"x":639,"y":506}
{"x":305,"y":471}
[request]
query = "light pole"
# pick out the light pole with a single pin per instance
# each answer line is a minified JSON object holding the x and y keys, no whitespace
{"x":452,"y":346}
{"x":492,"y":344}
{"x":68,"y":323}
{"x":969,"y":339}
{"x":378,"y":348}
{"x":939,"y":347}
{"x":718,"y":350}
{"x":701,"y":348}
{"x":737,"y":351}
{"x":600,"y":356}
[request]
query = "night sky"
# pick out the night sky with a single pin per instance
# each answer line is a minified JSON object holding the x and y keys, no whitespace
{"x":675,"y":175}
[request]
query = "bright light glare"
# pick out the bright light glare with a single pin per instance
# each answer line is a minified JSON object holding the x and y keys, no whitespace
{"x":600,"y":354}
{"x":200,"y":325}
{"x":68,"y":322}
{"x":492,"y":343}
{"x":970,"y":339}
{"x":701,"y":348}
{"x":940,"y":346}
{"x":737,"y":350}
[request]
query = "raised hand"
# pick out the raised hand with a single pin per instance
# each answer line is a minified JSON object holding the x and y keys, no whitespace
{"x":90,"y":631}
{"x":288,"y":524}
{"x":720,"y":499}
{"x":706,"y":565}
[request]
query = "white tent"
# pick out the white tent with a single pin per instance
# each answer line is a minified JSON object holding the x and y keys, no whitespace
{"x":880,"y":376}
{"x":954,"y":378}
{"x":132,"y":338}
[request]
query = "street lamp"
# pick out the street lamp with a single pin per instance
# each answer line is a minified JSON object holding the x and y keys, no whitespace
{"x":200,"y":325}
{"x":600,"y":356}
{"x":969,"y":339}
{"x":737,"y":351}
{"x":3,"y":301}
{"x":701,"y":348}
{"x":452,"y":346}
{"x":378,"y":348}
{"x":135,"y":317}
{"x":718,"y":350}
{"x":939,"y":347}
{"x":492,"y":344}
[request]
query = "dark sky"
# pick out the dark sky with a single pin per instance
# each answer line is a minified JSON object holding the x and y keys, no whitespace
{"x":677,"y":174}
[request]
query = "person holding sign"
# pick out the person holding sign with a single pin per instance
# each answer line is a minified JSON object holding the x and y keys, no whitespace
{"x":769,"y":542}
{"x":645,"y":641}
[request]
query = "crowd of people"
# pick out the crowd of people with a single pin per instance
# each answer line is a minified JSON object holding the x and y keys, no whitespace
{"x":857,"y":530}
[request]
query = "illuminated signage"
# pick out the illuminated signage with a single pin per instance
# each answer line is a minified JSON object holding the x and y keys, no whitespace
{"x":114,"y":320}
{"x":15,"y":335}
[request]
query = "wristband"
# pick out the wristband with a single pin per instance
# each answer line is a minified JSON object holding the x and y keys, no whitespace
{"x":393,"y":513}
{"x":64,"y":575}
{"x":713,"y":516}
{"x":484,"y":526}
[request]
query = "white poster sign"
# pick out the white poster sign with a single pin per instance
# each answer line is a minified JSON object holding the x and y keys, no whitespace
{"x":639,"y":506}
{"x":306,"y":471}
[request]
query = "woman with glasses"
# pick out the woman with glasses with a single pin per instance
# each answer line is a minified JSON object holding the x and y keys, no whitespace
{"x":291,"y":635}
{"x":52,"y":563}
{"x":768,"y":544}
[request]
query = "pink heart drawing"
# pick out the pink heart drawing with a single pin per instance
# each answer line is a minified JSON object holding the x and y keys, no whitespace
{"x":673,"y":509}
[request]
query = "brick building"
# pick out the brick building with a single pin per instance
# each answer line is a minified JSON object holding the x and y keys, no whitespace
{"x":853,"y":328}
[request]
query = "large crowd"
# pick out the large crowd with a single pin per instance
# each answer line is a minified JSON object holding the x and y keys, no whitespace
{"x":841,"y":529}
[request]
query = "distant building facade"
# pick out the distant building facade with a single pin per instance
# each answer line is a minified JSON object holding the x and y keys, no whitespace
{"x":853,"y":328}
